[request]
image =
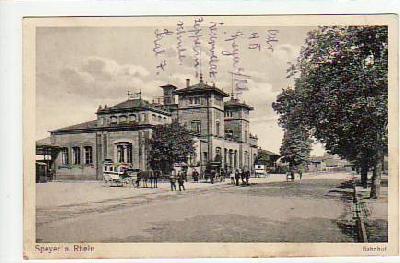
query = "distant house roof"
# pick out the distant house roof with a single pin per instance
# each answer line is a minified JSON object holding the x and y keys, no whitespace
{"x":44,"y":141}
{"x":235,"y":103}
{"x":80,"y":126}
{"x":201,"y":87}
{"x":45,"y":147}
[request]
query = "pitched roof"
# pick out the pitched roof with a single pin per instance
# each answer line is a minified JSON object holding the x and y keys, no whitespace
{"x":201,"y":87}
{"x":44,"y":141}
{"x":236,"y":103}
{"x":83,"y":125}
{"x":131,"y":103}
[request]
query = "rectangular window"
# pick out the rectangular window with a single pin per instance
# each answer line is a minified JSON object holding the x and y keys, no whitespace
{"x":64,"y":156}
{"x":217,"y":128}
{"x":76,"y":155}
{"x":194,"y":100}
{"x":88,"y":155}
{"x":120,"y":153}
{"x":205,"y":157}
{"x":196,"y":126}
{"x":129,"y":153}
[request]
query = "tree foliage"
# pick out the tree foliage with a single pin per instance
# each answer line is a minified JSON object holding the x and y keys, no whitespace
{"x":296,"y":143}
{"x":296,"y":147}
{"x":341,"y":91}
{"x":169,"y":144}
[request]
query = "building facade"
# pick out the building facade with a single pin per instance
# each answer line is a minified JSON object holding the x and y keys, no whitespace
{"x":119,"y":133}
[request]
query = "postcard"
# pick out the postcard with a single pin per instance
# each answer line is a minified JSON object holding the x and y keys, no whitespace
{"x":210,"y":136}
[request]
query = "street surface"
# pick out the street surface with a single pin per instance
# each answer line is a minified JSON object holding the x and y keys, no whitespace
{"x":269,"y":210}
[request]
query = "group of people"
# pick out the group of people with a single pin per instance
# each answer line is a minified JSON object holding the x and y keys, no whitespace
{"x":239,"y":174}
{"x":179,"y":176}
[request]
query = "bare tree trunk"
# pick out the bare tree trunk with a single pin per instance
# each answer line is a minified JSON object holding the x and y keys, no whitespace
{"x":364,"y":175}
{"x":376,"y":178}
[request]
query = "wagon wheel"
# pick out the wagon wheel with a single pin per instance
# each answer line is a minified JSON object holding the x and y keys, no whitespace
{"x":106,"y":182}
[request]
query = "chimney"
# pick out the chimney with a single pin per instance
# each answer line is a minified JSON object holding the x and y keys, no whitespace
{"x":187,"y":83}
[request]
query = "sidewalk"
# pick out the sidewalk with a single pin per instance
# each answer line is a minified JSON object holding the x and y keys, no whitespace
{"x":376,"y":219}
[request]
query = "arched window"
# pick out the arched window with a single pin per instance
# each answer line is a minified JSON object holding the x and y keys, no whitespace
{"x":123,"y":119}
{"x":113,"y":119}
{"x":217,"y":128}
{"x":124,"y":152}
{"x":159,"y":118}
{"x":132,"y":118}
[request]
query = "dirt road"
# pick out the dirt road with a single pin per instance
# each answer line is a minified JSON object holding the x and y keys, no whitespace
{"x":266,"y":211}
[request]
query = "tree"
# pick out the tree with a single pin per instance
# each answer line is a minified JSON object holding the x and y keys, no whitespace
{"x":296,"y":142}
{"x":296,"y":148}
{"x":169,"y":144}
{"x":341,"y":93}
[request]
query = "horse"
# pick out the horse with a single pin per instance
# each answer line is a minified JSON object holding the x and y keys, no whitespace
{"x":144,"y":177}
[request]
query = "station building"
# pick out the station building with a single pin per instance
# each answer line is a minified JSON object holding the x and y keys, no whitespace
{"x":219,"y":122}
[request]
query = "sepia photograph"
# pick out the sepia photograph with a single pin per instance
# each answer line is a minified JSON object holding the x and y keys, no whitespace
{"x":247,"y":130}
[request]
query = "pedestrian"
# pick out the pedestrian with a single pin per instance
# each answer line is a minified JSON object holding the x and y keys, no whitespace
{"x":156,"y":175}
{"x":222,"y":175}
{"x":195,"y":175}
{"x":172,"y":180}
{"x":181,"y":181}
{"x":232,"y":176}
{"x":301,"y":173}
{"x":212,"y":176}
{"x":242,"y":176}
{"x":247,"y":177}
{"x":237,"y":177}
{"x":138,"y":179}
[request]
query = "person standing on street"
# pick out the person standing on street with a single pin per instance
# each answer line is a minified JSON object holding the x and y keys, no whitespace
{"x":195,"y":175}
{"x":156,"y":175}
{"x":247,"y":177}
{"x":172,"y":180}
{"x":222,"y":175}
{"x":232,"y":176}
{"x":237,"y":177}
{"x":212,"y":176}
{"x":242,"y":176}
{"x":181,"y":181}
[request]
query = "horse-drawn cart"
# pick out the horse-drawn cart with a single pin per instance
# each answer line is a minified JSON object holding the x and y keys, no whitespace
{"x":119,"y":174}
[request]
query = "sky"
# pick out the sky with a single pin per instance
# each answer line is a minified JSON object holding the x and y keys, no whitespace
{"x":80,"y":68}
